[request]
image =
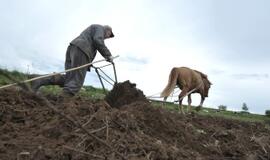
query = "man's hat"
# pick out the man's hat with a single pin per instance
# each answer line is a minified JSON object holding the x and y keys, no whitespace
{"x":110,"y":29}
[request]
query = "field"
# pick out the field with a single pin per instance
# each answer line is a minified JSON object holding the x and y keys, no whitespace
{"x":249,"y":117}
{"x":122,"y":125}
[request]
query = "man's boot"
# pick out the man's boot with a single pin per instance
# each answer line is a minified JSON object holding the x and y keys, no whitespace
{"x":53,"y":80}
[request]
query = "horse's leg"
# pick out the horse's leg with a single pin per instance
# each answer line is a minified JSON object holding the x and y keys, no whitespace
{"x":180,"y":107}
{"x":189,"y":103}
{"x":202,"y":100}
{"x":181,"y":97}
{"x":200,"y":106}
{"x":164,"y":100}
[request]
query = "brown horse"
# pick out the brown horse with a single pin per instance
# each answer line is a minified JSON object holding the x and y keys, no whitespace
{"x":189,"y":81}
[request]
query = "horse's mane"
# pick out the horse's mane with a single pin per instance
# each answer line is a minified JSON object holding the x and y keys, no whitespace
{"x":202,"y":74}
{"x":204,"y":77}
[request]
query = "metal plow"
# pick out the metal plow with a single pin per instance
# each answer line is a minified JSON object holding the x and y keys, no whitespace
{"x":105,"y":77}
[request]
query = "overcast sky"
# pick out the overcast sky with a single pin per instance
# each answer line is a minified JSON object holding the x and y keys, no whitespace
{"x":226,"y":39}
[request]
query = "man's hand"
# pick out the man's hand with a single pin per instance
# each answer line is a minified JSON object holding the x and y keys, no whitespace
{"x":110,"y":59}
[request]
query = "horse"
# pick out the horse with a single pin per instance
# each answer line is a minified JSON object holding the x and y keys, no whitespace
{"x":189,"y":81}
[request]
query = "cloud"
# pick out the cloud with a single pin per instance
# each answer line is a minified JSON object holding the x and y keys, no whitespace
{"x":135,"y":60}
{"x":216,"y":72}
{"x":251,"y":76}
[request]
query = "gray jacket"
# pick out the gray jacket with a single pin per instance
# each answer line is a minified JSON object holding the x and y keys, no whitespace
{"x":91,"y":40}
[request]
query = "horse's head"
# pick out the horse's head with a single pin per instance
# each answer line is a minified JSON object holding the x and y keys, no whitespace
{"x":207,"y":85}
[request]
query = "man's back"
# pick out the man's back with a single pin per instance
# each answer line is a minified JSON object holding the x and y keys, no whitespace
{"x":91,"y":40}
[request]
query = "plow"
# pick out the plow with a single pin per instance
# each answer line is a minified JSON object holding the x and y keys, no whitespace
{"x":102,"y":76}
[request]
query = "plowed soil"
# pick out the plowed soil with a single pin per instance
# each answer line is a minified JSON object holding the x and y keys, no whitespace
{"x":127,"y":123}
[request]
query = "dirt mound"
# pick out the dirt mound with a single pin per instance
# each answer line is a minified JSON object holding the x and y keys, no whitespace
{"x":137,"y":131}
{"x":124,"y":93}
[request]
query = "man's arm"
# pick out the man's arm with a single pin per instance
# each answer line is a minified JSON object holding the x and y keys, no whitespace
{"x":98,"y":39}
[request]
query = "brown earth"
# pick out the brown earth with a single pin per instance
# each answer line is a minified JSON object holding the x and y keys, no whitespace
{"x":128,"y":123}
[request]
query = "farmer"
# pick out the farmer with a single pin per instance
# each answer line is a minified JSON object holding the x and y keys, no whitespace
{"x":81,"y":50}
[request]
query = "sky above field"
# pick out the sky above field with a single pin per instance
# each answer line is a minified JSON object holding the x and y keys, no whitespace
{"x":228,"y":40}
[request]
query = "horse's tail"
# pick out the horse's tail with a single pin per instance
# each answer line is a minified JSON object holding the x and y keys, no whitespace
{"x":171,"y":84}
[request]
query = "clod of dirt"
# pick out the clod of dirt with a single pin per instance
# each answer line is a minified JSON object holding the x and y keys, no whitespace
{"x":124,"y":93}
